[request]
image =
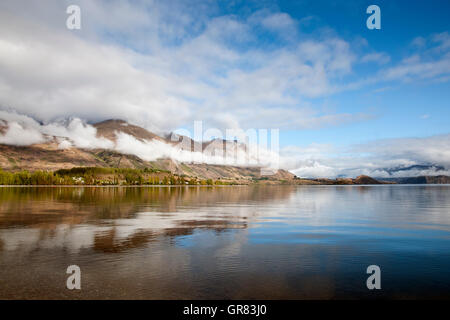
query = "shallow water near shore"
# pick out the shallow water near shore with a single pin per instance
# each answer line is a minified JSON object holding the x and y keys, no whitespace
{"x":236,"y":242}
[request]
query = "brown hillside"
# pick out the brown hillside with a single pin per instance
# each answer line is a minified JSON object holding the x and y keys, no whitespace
{"x":47,"y":156}
{"x":365,"y":180}
{"x":108,"y":129}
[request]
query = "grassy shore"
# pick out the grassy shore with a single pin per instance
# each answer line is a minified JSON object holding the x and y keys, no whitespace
{"x":102,"y":176}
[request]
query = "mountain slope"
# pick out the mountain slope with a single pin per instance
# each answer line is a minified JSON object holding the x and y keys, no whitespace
{"x":50,"y":156}
{"x":108,"y":129}
{"x":53,"y":155}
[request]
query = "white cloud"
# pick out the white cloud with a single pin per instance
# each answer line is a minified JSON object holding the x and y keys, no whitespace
{"x":378,"y":57}
{"x":429,"y":63}
{"x":162,"y":72}
{"x":375,"y":158}
{"x":419,"y":42}
{"x":23,"y":130}
{"x":64,"y":144}
{"x":314,"y":169}
{"x":79,"y":133}
{"x":163,"y":64}
{"x":279,"y":22}
{"x":434,"y":149}
{"x":213,"y":154}
{"x":20,"y":136}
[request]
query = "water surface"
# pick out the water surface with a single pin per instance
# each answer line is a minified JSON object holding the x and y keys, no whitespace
{"x":240,"y":242}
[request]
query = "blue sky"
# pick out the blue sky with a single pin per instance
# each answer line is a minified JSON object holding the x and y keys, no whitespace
{"x":342,"y":96}
{"x":402,"y":109}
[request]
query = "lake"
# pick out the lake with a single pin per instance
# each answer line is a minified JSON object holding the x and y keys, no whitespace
{"x":233,"y":242}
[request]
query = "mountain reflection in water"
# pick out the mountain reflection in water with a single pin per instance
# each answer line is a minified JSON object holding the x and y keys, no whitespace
{"x":264,"y":242}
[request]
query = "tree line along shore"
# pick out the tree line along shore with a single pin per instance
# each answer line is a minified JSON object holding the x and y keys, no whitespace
{"x":103,"y":176}
{"x":108,"y":176}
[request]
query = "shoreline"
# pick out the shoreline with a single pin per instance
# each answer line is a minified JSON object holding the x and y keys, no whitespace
{"x":221,"y":186}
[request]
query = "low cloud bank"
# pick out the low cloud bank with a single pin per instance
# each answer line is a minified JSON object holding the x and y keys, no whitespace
{"x":154,"y":149}
{"x":387,"y":158}
{"x":22,"y":130}
{"x":18,"y":135}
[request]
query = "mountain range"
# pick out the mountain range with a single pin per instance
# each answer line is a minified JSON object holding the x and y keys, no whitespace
{"x":58,"y":152}
{"x":49,"y":155}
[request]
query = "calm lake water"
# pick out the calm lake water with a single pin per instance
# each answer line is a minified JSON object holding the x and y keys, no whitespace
{"x":243,"y":242}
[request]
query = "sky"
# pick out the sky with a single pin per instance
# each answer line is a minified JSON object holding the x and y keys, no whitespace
{"x":347,"y":100}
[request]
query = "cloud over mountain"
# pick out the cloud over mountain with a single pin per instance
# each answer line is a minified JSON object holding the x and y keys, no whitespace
{"x":118,"y":135}
{"x":378,"y":158}
{"x":165,"y":72}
